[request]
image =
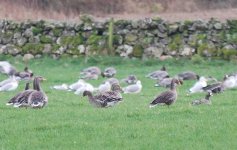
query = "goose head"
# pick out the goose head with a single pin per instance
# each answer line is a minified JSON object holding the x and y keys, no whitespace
{"x":87,"y":93}
{"x":116,"y":87}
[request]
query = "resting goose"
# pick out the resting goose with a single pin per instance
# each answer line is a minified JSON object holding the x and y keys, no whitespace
{"x":112,"y":81}
{"x":7,"y":68}
{"x":25,"y":75}
{"x":134,"y":88}
{"x":62,"y":87}
{"x":9,"y":84}
{"x":91,"y":70}
{"x":188,"y":75}
{"x":16,"y":98}
{"x":131,"y":79}
{"x":227,"y":83}
{"x":109,"y":72}
{"x":85,"y":87}
{"x":89,"y":76}
{"x":105,"y":87}
{"x":107,"y":99}
{"x":76,"y":85}
{"x":158,"y":75}
{"x":166,"y":82}
{"x":37,"y":99}
{"x":34,"y":98}
{"x":206,"y":100}
{"x":197,"y":87}
{"x":167,"y":97}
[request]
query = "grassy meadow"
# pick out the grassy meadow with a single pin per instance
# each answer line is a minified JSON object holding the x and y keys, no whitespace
{"x":70,"y":122}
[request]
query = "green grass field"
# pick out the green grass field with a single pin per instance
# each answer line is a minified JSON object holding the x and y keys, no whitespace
{"x":70,"y":122}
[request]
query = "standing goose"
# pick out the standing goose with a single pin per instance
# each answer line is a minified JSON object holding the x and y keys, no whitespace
{"x":206,"y":100}
{"x":131,"y":79}
{"x":10,"y":84}
{"x":134,"y":88}
{"x":109,"y":72}
{"x":159,"y":74}
{"x":16,"y":98}
{"x":107,"y":99}
{"x":188,"y":75}
{"x":167,"y":97}
{"x":7,"y":68}
{"x":37,"y":99}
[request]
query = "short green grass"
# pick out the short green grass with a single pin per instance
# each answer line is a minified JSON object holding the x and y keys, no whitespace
{"x":70,"y":122}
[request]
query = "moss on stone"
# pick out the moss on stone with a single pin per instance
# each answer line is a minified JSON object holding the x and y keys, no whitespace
{"x":228,"y":53}
{"x":137,"y":51}
{"x":45,"y":39}
{"x":57,"y":32}
{"x":37,"y":30}
{"x":72,"y":40}
{"x":33,"y":48}
{"x":55,"y":47}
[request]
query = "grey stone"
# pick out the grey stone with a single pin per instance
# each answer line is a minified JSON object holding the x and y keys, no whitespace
{"x":28,"y":33}
{"x":21,"y":41}
{"x":187,"y":51}
{"x":47,"y":48}
{"x":81,"y":49}
{"x":17,"y":35}
{"x":38,"y":56}
{"x":130,"y":38}
{"x":27,"y":57}
{"x":124,"y":50}
{"x":218,"y":26}
{"x":153,"y":52}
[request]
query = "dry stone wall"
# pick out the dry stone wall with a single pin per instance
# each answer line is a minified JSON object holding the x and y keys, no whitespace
{"x":147,"y":38}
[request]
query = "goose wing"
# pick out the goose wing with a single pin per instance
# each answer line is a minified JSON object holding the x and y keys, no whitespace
{"x":166,"y":97}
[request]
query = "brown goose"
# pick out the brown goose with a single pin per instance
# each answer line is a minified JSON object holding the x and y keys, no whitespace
{"x":188,"y":75}
{"x":159,"y":74}
{"x":37,"y":98}
{"x":25,"y":75}
{"x":109,"y":72}
{"x":167,"y":97}
{"x":33,"y":98}
{"x":18,"y":96}
{"x":206,"y":100}
{"x":106,"y":99}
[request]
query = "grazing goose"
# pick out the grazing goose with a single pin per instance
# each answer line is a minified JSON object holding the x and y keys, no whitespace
{"x":91,"y":70}
{"x":166,"y":82}
{"x":158,"y":75}
{"x":37,"y":99}
{"x":105,"y":87}
{"x":109,"y":72}
{"x":197,"y":87}
{"x":112,"y":81}
{"x":9,"y":84}
{"x":7,"y":68}
{"x":85,"y":87}
{"x":16,"y":98}
{"x":167,"y":97}
{"x":206,"y":100}
{"x":107,"y":99}
{"x":188,"y":75}
{"x":76,"y":85}
{"x":131,"y":79}
{"x":62,"y":87}
{"x":134,"y":88}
